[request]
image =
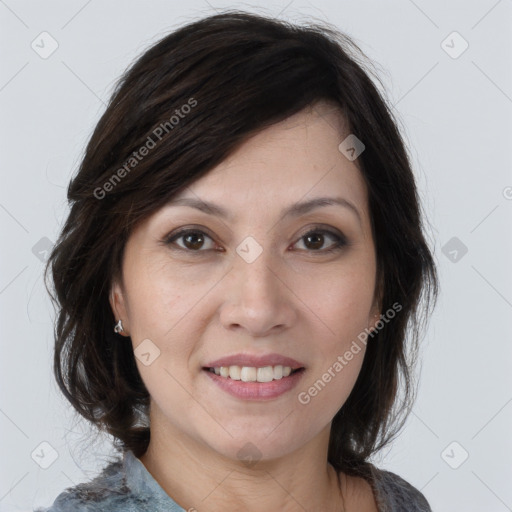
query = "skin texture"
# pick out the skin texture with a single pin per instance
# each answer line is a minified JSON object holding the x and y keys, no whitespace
{"x":295,"y":299}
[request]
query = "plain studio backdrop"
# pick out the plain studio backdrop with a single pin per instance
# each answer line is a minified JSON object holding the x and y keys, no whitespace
{"x":447,"y":70}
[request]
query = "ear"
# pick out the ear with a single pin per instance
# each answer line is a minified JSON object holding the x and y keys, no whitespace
{"x":119,"y":307}
{"x":374,"y":317}
{"x":376,"y":309}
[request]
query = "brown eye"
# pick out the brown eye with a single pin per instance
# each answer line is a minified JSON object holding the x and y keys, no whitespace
{"x":316,"y":238}
{"x":193,"y":240}
{"x":314,"y":241}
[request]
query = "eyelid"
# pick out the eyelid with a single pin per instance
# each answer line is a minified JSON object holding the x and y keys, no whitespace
{"x":174,"y":235}
{"x":324,"y":229}
{"x":340,"y":240}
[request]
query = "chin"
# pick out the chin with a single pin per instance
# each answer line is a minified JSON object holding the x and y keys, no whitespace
{"x":251,"y":441}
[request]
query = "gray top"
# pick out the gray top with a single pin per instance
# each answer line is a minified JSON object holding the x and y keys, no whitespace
{"x":125,"y":485}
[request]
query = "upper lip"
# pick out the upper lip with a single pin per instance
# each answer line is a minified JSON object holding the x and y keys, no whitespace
{"x":253,"y":360}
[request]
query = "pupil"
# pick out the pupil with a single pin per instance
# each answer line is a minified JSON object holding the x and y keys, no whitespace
{"x":195,"y":241}
{"x":196,"y":244}
{"x":319,"y":239}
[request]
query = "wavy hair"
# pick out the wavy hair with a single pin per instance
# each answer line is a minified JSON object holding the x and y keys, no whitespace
{"x":238,"y":73}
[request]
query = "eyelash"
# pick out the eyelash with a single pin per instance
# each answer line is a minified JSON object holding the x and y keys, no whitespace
{"x":339,"y":240}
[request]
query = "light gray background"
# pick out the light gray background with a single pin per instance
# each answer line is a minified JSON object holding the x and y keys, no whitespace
{"x":457,"y":114}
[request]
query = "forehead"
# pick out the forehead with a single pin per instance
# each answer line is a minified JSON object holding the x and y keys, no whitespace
{"x":296,"y":159}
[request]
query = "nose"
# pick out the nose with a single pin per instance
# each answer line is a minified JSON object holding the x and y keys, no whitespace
{"x":259,"y":300}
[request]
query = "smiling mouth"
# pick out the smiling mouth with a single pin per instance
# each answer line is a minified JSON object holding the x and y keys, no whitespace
{"x":254,"y":374}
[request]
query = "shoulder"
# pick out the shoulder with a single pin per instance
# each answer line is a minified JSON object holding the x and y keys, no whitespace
{"x":394,"y":494}
{"x":108,"y":492}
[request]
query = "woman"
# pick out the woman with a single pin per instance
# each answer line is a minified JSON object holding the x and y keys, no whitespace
{"x":240,"y":277}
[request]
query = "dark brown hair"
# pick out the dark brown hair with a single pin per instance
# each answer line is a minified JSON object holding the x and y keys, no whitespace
{"x":237,"y":73}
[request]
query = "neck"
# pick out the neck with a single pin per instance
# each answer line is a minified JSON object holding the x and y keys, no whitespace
{"x":197,"y":477}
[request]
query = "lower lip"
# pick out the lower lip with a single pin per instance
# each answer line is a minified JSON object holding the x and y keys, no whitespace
{"x":256,"y":390}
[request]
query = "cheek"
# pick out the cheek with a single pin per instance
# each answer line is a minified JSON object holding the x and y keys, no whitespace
{"x":343,"y":301}
{"x":331,"y":380}
{"x":342,"y":298}
{"x":161,"y":297}
{"x":165,"y":302}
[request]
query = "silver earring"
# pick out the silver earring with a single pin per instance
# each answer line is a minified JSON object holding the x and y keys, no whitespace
{"x":118,"y":327}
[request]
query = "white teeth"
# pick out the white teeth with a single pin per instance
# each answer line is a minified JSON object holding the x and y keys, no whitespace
{"x":248,"y":374}
{"x":265,"y":374}
{"x":234,"y":372}
{"x":253,"y":374}
{"x":278,"y":372}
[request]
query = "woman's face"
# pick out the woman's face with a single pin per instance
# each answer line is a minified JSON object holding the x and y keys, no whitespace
{"x":251,"y":285}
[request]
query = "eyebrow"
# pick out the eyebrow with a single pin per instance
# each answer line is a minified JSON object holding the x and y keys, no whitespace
{"x":295,"y":210}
